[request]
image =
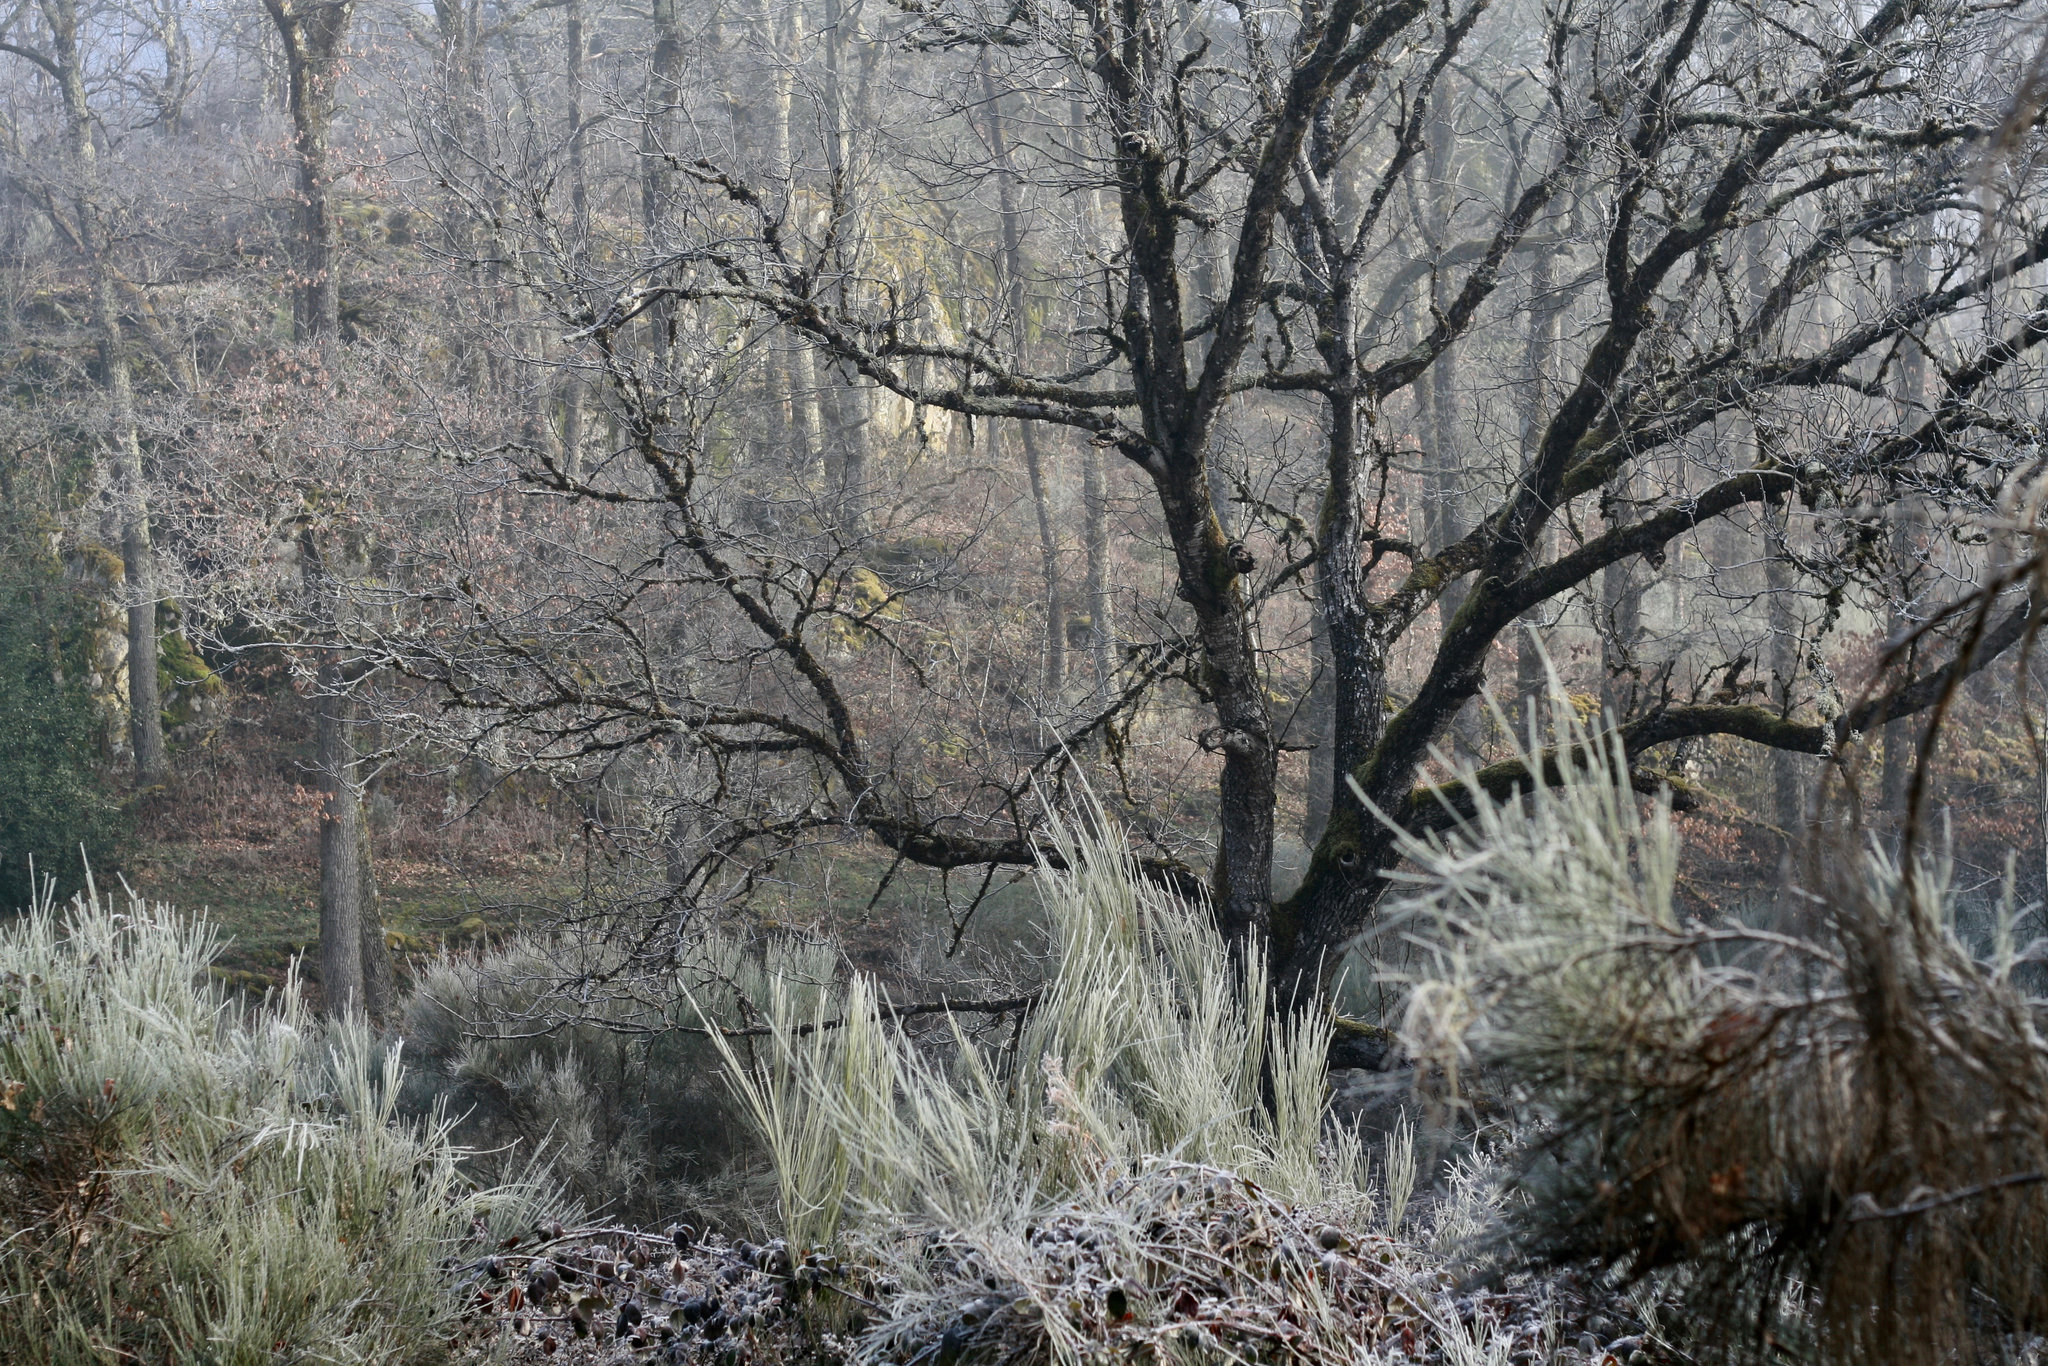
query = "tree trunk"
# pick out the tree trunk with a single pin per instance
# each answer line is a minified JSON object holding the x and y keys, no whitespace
{"x":313,"y":34}
{"x":1322,"y":728}
{"x":575,"y":392}
{"x":1909,"y":279}
{"x":1101,"y":605}
{"x":1531,"y":677}
{"x":354,"y":963}
{"x":138,"y":553}
{"x":1436,"y":400}
{"x":1355,"y":640}
{"x":1788,"y":800}
{"x":343,"y":928}
{"x":1621,"y":626}
{"x":1095,"y":500}
{"x":1034,"y":466}
{"x":841,"y":401}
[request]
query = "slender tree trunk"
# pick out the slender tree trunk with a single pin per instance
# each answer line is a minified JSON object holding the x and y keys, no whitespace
{"x":344,"y":929}
{"x":841,"y":401}
{"x":1909,"y":279}
{"x":1034,"y":465}
{"x":1101,"y":603}
{"x":138,"y":553}
{"x":314,"y":34}
{"x":1531,"y":681}
{"x":1095,"y":502}
{"x":575,"y":392}
{"x":1788,"y":799}
{"x":1621,"y":626}
{"x":1436,"y":401}
{"x":343,"y":831}
{"x":354,"y":963}
{"x":1321,"y":704}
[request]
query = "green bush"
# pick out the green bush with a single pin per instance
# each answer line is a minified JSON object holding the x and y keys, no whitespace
{"x":183,"y":1182}
{"x":53,"y":803}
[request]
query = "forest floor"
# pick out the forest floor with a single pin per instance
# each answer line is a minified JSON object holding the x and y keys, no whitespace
{"x":460,"y":864}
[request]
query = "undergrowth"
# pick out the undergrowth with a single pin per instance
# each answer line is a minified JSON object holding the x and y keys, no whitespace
{"x":183,"y":1180}
{"x":559,"y":1048}
{"x":1138,"y":1166}
{"x":1826,"y":1131}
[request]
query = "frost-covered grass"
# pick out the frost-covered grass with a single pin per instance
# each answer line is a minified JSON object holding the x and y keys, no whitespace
{"x":1830,"y":1128}
{"x":181,"y":1181}
{"x":1140,"y":1168}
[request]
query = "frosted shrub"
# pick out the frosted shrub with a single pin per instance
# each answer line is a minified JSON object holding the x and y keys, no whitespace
{"x":1145,"y":1039}
{"x":1137,"y":1169}
{"x":1831,"y":1133}
{"x":545,"y":1048}
{"x":184,"y":1182}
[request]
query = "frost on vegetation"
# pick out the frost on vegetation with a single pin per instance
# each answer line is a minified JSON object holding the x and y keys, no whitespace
{"x":181,"y":1181}
{"x":560,"y":1048}
{"x":1825,"y":1135}
{"x":1141,"y":1168}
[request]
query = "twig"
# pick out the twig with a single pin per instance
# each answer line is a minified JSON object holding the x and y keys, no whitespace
{"x":1868,"y":1208}
{"x":943,"y":1006}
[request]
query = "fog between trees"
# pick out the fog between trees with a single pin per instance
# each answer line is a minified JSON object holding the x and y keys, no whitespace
{"x":781,"y":425}
{"x":1493,"y":544}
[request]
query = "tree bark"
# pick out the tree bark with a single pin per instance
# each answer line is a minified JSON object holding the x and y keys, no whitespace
{"x":840,"y":399}
{"x":1321,"y":728}
{"x":138,"y":552}
{"x":1101,"y":604}
{"x":354,"y":963}
{"x":1621,"y":609}
{"x":314,"y":33}
{"x":1788,"y":798}
{"x":1531,"y":680}
{"x":344,"y":930}
{"x":1901,"y":742}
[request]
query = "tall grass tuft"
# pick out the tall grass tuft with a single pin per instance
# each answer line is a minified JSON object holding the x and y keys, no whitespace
{"x":1146,"y":1038}
{"x":1138,"y":1163}
{"x":1831,"y":1131}
{"x":184,"y":1182}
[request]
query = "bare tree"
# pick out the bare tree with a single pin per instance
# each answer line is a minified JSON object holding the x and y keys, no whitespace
{"x":1672,"y":181}
{"x":355,"y":968}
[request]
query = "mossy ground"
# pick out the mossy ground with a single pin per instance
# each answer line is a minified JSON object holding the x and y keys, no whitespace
{"x":268,"y":908}
{"x":265,"y":899}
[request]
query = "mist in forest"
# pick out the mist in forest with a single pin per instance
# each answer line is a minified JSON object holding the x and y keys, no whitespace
{"x":938,"y":682}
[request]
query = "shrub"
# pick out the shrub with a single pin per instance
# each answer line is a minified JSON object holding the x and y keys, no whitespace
{"x":1139,"y":1169}
{"x":186,"y":1183}
{"x":546,"y":1047}
{"x":1831,"y":1133}
{"x":1145,"y":1039}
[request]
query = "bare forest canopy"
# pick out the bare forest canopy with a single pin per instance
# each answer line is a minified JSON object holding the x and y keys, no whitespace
{"x":791,"y":424}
